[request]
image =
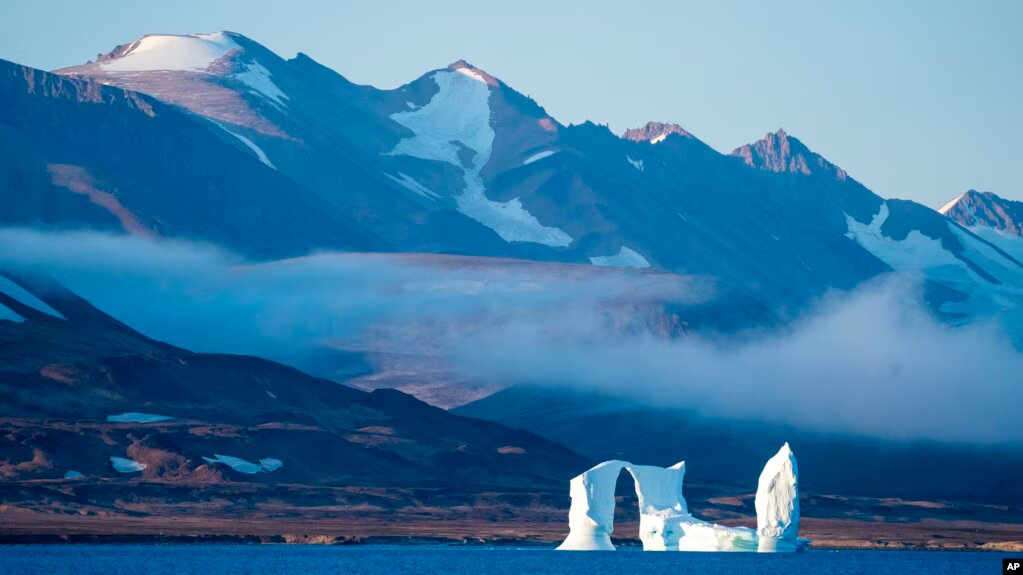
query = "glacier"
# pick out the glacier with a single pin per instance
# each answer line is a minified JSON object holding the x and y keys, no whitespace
{"x":665,"y":521}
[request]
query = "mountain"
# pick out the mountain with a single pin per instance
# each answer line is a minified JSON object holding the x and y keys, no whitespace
{"x":328,"y":135}
{"x":459,"y":162}
{"x":655,"y":132}
{"x":88,"y":399}
{"x":780,"y":153}
{"x":76,"y":154}
{"x":993,"y":218}
{"x":968,"y":278}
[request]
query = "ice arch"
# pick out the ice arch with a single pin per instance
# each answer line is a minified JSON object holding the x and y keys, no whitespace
{"x":665,"y":521}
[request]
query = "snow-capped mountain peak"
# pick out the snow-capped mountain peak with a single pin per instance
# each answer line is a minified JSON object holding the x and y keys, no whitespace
{"x":985,"y":209}
{"x":223,"y":76}
{"x":780,"y":152}
{"x":655,"y":132}
{"x":171,"y":52}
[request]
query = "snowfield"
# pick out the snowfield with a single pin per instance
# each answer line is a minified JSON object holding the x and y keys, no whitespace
{"x":123,"y":465}
{"x":410,"y":183}
{"x":193,"y":53}
{"x":136,"y":417}
{"x":260,"y":154}
{"x":257,"y":77}
{"x":265,"y":465}
{"x":923,"y":255}
{"x":1007,"y":242}
{"x":538,"y":157}
{"x":459,"y":115}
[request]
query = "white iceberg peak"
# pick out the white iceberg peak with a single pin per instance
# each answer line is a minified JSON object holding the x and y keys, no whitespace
{"x":777,"y":502}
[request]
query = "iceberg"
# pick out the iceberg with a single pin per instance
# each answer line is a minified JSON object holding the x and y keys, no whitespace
{"x":777,"y":503}
{"x":591,"y":515}
{"x":661,"y":505}
{"x":665,"y":523}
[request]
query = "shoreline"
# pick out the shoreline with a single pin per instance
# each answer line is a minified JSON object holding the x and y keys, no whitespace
{"x":450,"y":540}
{"x":422,"y":541}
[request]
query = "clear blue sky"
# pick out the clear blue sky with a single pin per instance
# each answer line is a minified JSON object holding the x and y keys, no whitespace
{"x":917,"y":99}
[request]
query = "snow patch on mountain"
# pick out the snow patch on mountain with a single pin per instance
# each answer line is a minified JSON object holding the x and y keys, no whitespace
{"x":260,"y":154}
{"x":265,"y":465}
{"x":257,"y":77}
{"x":1006,"y":271}
{"x":1008,"y":242}
{"x":921,"y":254}
{"x":638,"y":164}
{"x":917,"y":252}
{"x":458,"y":112}
{"x":24,"y":297}
{"x":625,"y":258}
{"x":123,"y":465}
{"x":137,"y":417}
{"x":270,"y":464}
{"x":539,"y":156}
{"x":458,"y":116}
{"x":193,"y":53}
{"x":8,"y":314}
{"x":410,"y":183}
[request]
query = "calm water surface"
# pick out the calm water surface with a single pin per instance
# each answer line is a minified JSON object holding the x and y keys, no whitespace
{"x":373,"y":560}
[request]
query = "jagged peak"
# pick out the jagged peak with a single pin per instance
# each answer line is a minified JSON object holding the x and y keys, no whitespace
{"x":972,"y":196}
{"x":986,"y":208}
{"x":780,"y":152}
{"x":655,"y":132}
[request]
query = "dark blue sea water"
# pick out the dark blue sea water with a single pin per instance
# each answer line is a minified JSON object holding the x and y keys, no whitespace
{"x":403,"y":560}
